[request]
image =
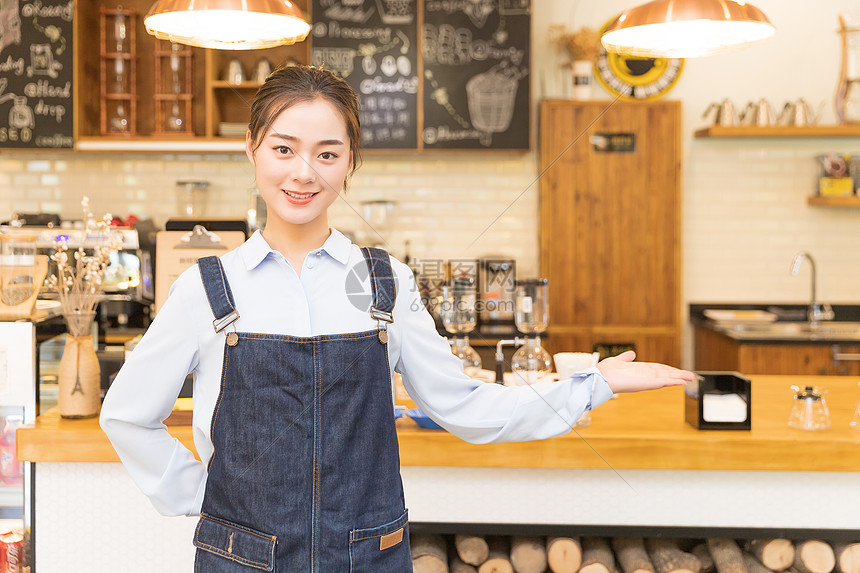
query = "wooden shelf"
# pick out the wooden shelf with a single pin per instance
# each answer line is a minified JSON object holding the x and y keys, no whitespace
{"x":242,"y":86}
{"x":847,"y":201}
{"x":779,"y":131}
{"x":162,"y":144}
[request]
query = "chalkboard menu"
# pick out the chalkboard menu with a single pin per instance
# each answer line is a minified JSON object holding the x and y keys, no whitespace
{"x":36,"y":73}
{"x":373,"y":45}
{"x":476,"y":65}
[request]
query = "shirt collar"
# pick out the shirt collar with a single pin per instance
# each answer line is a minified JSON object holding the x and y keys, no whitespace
{"x":256,"y":249}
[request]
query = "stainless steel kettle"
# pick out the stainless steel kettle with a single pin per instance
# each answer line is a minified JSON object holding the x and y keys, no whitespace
{"x":759,"y":114}
{"x":798,"y":114}
{"x":725,"y":115}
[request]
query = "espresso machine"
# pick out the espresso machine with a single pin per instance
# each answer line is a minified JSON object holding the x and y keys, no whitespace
{"x":497,"y":293}
{"x":128,"y":287}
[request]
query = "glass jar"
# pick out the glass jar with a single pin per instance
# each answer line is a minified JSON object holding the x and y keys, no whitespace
{"x":17,"y":250}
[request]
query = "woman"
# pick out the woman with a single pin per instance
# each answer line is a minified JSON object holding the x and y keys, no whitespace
{"x":292,"y":369}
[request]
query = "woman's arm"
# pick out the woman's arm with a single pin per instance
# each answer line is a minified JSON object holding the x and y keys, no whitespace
{"x":481,"y":412}
{"x":143,"y":395}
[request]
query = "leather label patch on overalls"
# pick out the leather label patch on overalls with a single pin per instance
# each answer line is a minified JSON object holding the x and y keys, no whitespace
{"x":390,"y":539}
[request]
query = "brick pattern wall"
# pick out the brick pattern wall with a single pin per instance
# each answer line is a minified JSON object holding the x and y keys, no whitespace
{"x":744,"y":210}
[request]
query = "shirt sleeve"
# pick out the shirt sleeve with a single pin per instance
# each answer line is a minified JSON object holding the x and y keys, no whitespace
{"x":476,"y":411}
{"x":143,"y":395}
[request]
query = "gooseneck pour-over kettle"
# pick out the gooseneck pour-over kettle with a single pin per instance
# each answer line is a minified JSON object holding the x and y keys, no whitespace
{"x":759,"y":114}
{"x":725,"y":115}
{"x":798,"y":114}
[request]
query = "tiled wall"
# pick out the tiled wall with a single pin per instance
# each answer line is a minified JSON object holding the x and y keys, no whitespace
{"x":745,"y":216}
{"x":447,"y":206}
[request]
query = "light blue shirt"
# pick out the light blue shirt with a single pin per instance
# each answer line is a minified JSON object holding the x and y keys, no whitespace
{"x":325,"y":299}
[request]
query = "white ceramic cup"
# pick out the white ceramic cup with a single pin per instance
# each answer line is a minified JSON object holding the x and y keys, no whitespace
{"x":566,"y":363}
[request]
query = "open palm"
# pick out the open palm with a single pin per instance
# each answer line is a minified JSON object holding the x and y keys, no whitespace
{"x":625,"y":375}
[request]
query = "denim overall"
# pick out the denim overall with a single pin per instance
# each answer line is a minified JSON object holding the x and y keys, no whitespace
{"x":305,"y":475}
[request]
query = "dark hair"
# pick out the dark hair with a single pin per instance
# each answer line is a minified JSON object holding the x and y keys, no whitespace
{"x":289,"y":85}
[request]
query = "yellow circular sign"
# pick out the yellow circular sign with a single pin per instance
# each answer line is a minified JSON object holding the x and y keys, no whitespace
{"x":635,"y":78}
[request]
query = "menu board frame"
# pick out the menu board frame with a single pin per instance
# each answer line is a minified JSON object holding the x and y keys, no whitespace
{"x":37,"y":64}
{"x":492,"y":115}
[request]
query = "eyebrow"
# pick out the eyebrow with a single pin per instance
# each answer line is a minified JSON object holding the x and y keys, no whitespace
{"x":294,"y":138}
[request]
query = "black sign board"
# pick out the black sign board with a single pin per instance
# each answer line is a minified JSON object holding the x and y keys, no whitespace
{"x":476,"y":82}
{"x":373,"y":45}
{"x":613,"y":142}
{"x":36,"y":73}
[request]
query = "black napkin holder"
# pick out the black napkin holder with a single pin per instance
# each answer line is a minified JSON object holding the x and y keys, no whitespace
{"x":705,"y":401}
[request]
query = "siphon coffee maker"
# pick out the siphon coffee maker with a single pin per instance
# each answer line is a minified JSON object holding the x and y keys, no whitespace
{"x":459,"y":317}
{"x":531,"y":361}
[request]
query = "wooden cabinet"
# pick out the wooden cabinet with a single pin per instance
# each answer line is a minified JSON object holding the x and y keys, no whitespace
{"x":610,"y":225}
{"x":716,"y":351}
{"x":213,"y":99}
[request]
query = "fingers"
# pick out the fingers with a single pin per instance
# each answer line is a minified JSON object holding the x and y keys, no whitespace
{"x":627,"y":356}
{"x":664,"y":370}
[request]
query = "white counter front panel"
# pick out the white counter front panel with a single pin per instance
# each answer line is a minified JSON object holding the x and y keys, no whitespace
{"x":90,"y":518}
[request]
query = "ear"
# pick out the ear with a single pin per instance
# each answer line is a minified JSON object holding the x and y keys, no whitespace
{"x":249,"y":147}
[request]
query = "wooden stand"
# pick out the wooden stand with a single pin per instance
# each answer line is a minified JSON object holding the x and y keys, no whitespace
{"x":704,"y":556}
{"x":528,"y":554}
{"x":597,"y":556}
{"x":173,"y":96}
{"x":775,"y":554}
{"x":667,"y":557}
{"x":813,"y":556}
{"x":117,"y":107}
{"x":471,"y":549}
{"x":429,"y":554}
{"x":631,"y":555}
{"x":727,"y":556}
{"x":563,"y":554}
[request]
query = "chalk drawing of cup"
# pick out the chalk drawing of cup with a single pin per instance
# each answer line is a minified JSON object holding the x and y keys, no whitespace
{"x":395,"y":11}
{"x":491,"y":97}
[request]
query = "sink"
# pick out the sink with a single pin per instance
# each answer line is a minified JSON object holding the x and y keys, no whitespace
{"x":794,"y":330}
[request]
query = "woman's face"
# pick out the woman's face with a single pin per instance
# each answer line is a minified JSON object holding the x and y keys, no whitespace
{"x":302,"y":161}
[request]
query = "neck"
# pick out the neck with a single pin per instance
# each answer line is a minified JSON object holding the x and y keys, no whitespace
{"x":296,"y":241}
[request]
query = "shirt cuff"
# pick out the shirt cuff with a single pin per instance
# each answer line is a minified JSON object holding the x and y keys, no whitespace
{"x":198,"y":499}
{"x":600,"y":390}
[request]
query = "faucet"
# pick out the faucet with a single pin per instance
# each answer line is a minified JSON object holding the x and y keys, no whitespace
{"x":816,"y":311}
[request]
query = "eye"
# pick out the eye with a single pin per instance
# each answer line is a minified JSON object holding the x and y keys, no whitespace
{"x":328,"y":155}
{"x":282,"y":149}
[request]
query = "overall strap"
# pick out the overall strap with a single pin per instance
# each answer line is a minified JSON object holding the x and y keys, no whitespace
{"x":218,"y":292}
{"x":381,"y":283}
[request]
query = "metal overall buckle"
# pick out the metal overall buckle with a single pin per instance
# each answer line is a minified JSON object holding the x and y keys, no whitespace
{"x":221,"y":323}
{"x":382,"y":320}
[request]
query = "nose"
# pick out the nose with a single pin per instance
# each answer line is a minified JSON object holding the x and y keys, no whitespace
{"x":303,"y":172}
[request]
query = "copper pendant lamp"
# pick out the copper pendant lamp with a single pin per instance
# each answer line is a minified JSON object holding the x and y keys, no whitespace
{"x":687,"y":28}
{"x":227,"y":24}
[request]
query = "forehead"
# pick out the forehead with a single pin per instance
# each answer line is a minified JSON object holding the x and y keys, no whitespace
{"x":310,"y":120}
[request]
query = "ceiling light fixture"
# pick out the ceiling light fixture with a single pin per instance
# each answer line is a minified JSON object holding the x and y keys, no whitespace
{"x":686,"y":28}
{"x":227,"y":24}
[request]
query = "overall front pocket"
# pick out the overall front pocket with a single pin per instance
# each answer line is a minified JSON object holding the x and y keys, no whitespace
{"x":384,"y":548}
{"x":226,"y":547}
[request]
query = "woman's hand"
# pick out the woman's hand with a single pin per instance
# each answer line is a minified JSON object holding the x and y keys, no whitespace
{"x":624,"y":375}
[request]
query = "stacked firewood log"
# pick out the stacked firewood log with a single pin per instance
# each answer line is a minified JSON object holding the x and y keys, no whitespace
{"x":524,"y":554}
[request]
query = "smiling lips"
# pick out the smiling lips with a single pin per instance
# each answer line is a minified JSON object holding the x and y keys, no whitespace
{"x":299,"y":198}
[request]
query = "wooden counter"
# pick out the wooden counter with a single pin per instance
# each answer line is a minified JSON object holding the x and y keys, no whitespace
{"x":636,"y":431}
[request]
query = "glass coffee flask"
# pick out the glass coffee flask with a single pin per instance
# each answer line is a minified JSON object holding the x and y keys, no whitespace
{"x":531,"y":361}
{"x":459,"y":317}
{"x":809,"y":410}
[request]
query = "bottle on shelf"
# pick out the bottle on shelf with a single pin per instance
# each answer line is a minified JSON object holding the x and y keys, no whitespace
{"x":11,"y":470}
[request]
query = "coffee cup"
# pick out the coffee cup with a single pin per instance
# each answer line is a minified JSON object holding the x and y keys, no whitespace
{"x":566,"y":363}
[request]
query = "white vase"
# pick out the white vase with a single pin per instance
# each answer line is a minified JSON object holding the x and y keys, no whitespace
{"x":581,"y":77}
